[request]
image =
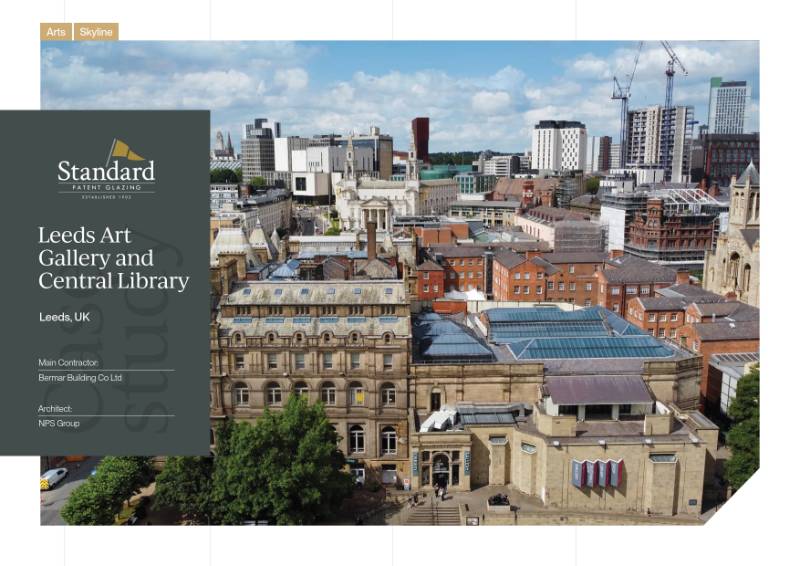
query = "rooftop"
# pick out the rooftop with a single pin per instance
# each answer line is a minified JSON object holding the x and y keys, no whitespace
{"x":357,"y":292}
{"x":725,"y":330}
{"x":630,"y":269}
{"x":733,"y":364}
{"x":593,"y":333}
{"x":597,"y":390}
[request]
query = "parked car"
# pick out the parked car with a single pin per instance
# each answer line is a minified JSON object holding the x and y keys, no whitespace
{"x":51,"y":478}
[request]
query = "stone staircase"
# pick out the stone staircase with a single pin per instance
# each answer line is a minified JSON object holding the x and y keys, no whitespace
{"x":427,"y":515}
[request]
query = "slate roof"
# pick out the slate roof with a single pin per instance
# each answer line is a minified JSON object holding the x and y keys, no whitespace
{"x":694,"y":292}
{"x":750,"y":236}
{"x":727,"y":330}
{"x":751,"y":174}
{"x":429,"y":266}
{"x":509,"y":259}
{"x":731,"y":311}
{"x":598,"y":390}
{"x":629,"y":269}
{"x":575,"y":257}
{"x":662,"y":303}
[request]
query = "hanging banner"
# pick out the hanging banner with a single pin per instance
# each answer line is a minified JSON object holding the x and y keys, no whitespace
{"x":591,"y":473}
{"x":602,"y":472}
{"x":578,"y":473}
{"x":467,"y":461}
{"x":415,"y":463}
{"x":615,"y":478}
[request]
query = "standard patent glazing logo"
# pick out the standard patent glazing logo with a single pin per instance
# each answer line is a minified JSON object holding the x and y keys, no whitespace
{"x":125,"y":173}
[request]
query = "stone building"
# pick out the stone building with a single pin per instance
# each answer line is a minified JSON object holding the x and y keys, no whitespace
{"x":363,"y":200}
{"x":602,"y":420}
{"x":344,"y":343}
{"x":732,"y":269}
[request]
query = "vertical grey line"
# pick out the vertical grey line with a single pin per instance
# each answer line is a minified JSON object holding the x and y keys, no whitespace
{"x":576,"y":18}
{"x":576,"y":546}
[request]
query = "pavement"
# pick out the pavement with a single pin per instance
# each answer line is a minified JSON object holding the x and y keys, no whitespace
{"x":54,"y":500}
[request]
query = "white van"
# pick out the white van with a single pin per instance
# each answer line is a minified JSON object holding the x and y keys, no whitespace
{"x":50,"y":478}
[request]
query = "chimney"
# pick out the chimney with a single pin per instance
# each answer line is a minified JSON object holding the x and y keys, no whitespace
{"x":371,"y":227}
{"x":682,"y":278}
{"x":617,"y":253}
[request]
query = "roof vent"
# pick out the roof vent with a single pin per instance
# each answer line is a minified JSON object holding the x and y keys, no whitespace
{"x":648,"y":441}
{"x":556,"y":443}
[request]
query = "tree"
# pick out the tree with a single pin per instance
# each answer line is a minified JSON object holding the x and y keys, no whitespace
{"x":258,"y":181}
{"x":224,"y":176}
{"x":185,"y":484}
{"x":743,"y":437}
{"x":285,"y":469}
{"x":592,"y":185}
{"x":333,"y":231}
{"x":100,"y":498}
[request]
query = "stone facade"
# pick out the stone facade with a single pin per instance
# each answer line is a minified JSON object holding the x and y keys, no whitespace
{"x":733,"y":268}
{"x":343,"y":343}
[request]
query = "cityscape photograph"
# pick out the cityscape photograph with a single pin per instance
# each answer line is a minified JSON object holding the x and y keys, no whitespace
{"x":453,"y":282}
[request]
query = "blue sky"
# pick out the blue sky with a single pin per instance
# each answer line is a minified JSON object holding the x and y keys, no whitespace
{"x":478,"y":94}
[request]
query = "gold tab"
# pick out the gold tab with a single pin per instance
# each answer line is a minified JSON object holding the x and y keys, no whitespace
{"x":96,"y":32}
{"x":55,"y":31}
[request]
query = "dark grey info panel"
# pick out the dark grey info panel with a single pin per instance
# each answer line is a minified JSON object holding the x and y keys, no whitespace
{"x":105,"y":282}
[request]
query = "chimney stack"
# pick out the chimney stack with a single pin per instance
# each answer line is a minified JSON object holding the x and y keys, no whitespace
{"x":371,"y":228}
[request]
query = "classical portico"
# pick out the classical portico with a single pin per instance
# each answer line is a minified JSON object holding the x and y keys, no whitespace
{"x":376,"y":210}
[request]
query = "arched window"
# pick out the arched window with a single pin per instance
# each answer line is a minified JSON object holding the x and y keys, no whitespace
{"x":327,"y":337}
{"x":357,"y":394}
{"x":301,"y":389}
{"x":388,"y":395}
{"x":237,"y":338}
{"x":273,"y":393}
{"x":387,"y":337}
{"x":298,"y":337}
{"x":388,"y":440}
{"x":328,"y":393}
{"x":241,"y":395}
{"x":356,"y":435}
{"x":354,"y":337}
{"x":746,"y":277}
{"x":271,"y":337}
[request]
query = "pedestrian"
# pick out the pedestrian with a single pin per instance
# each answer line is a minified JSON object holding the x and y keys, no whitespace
{"x":444,"y":492}
{"x":436,"y":491}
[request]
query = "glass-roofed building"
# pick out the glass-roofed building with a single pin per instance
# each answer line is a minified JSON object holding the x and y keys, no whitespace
{"x":580,"y":409}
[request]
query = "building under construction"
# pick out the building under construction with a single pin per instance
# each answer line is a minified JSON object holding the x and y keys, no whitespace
{"x":667,"y":223}
{"x":579,"y":236}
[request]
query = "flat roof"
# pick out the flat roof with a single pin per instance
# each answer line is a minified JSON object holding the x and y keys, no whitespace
{"x":597,"y":390}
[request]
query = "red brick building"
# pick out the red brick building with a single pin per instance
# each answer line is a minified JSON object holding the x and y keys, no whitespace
{"x":628,"y":277}
{"x":562,"y":277}
{"x":430,"y":281}
{"x":718,"y":328}
{"x":658,"y":236}
{"x":702,"y":322}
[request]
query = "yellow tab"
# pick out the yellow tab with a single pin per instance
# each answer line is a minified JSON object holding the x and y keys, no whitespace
{"x":55,"y":31}
{"x":96,"y":32}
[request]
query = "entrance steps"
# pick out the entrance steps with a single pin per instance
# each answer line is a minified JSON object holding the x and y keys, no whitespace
{"x":427,"y":515}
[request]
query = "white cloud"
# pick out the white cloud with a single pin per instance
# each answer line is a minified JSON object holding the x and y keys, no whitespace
{"x":472,"y":110}
{"x":486,"y":102}
{"x":292,"y":79}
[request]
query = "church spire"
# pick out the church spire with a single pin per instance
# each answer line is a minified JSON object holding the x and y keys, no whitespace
{"x":412,"y":165}
{"x":350,"y":165}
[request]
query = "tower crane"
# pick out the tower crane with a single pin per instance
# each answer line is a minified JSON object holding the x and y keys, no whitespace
{"x":670,"y":72}
{"x":623,"y":94}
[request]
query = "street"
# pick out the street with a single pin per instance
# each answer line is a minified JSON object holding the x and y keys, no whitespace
{"x":53,"y":500}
